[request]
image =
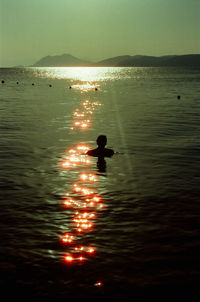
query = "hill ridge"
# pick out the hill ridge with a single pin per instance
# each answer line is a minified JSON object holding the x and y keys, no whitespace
{"x":187,"y":60}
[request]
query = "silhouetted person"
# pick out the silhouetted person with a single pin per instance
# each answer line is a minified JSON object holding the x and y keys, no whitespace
{"x":178,"y":97}
{"x":101,"y":164}
{"x":101,"y":151}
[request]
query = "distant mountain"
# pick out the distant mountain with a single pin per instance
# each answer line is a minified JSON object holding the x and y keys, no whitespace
{"x":149,"y":61}
{"x":62,"y":60}
{"x":116,"y":61}
{"x":123,"y":61}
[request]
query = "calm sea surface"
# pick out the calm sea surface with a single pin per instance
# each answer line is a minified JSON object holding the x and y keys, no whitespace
{"x":72,"y":226}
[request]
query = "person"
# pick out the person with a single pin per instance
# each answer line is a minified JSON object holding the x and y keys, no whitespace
{"x":101,"y":151}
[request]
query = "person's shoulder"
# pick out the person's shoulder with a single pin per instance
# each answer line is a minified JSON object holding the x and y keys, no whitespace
{"x":92,"y":152}
{"x":101,"y":153}
{"x":109,"y":152}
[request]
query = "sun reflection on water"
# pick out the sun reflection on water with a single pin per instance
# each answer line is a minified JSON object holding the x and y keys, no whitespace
{"x":85,"y":75}
{"x":76,"y":156}
{"x":83,"y":199}
{"x":86,"y":86}
{"x":89,"y":177}
{"x":82,"y":116}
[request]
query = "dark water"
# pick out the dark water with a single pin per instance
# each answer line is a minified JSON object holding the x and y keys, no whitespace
{"x":141,"y":238}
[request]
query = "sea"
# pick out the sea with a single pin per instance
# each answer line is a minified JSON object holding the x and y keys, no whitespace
{"x":79,"y":227}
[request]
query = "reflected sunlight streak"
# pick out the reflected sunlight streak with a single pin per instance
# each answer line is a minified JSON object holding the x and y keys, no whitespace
{"x":87,"y":75}
{"x":82,"y":200}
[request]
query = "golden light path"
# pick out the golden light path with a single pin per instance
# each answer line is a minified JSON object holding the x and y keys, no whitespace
{"x":82,"y":116}
{"x":83,"y":199}
{"x":88,"y":76}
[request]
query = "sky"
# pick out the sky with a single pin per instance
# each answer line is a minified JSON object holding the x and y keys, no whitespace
{"x":96,"y":29}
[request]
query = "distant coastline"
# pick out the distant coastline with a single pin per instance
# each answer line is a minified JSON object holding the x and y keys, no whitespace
{"x":191,"y":60}
{"x":67,"y":60}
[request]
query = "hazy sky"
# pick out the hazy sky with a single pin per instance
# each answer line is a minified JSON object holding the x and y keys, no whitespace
{"x":96,"y":29}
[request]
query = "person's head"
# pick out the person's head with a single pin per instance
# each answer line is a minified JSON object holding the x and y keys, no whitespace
{"x":101,"y":141}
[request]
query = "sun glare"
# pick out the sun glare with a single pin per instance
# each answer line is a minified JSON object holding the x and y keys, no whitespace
{"x":83,"y":199}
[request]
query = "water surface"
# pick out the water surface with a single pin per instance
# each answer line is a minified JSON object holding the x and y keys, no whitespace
{"x":145,"y":237}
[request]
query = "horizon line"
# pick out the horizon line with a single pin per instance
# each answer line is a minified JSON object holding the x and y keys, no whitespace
{"x":90,"y":63}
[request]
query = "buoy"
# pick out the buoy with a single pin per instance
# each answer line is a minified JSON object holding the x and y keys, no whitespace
{"x":178,"y":97}
{"x":33,"y":84}
{"x":2,"y":81}
{"x":50,"y":85}
{"x":17,"y":83}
